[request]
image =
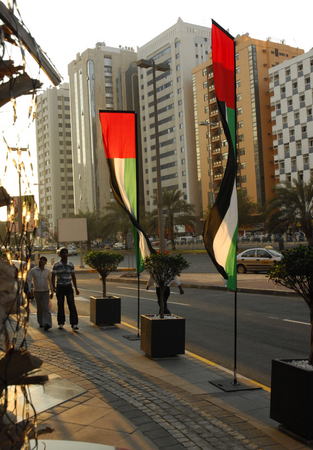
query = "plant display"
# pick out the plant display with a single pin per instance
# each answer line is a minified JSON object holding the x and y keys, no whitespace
{"x":295,"y":271}
{"x":104,"y":263}
{"x":164,"y":267}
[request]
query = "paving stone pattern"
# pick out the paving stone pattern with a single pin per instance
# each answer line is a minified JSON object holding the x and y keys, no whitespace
{"x":170,"y":417}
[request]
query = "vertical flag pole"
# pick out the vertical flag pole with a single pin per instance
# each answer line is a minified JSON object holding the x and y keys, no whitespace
{"x":119,"y":134}
{"x":235,"y":381}
{"x":220,"y":230}
{"x":136,"y":234}
{"x":138,"y":303}
{"x":235,"y":339}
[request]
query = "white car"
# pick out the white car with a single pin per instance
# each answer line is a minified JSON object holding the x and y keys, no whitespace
{"x":72,"y":250}
{"x":257,"y":260}
{"x":119,"y":245}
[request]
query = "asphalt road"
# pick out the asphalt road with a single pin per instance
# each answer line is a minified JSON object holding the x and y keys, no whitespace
{"x":198,"y":262}
{"x":269,"y":327}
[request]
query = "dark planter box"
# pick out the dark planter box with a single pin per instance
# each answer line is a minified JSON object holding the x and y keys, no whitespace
{"x":162,"y":337}
{"x":292,"y":398}
{"x":105,"y":311}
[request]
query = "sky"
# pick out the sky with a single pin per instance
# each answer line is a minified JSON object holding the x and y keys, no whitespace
{"x":65,"y":28}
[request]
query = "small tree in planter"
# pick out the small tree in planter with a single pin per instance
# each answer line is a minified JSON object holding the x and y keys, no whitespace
{"x":292,"y":381}
{"x":104,"y":310}
{"x":160,"y":337}
{"x":163,"y":268}
{"x":104,"y":263}
{"x":295,"y":271}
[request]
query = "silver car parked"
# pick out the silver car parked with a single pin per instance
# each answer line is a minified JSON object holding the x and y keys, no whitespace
{"x":257,"y":260}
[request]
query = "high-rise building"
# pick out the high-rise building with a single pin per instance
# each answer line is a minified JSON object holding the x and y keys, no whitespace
{"x":100,"y":78}
{"x":291,"y":84}
{"x":255,"y":151}
{"x":54,"y":155}
{"x":183,"y":46}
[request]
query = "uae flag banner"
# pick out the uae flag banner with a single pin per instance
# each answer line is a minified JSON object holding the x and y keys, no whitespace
{"x":221,"y":227}
{"x":119,"y":140}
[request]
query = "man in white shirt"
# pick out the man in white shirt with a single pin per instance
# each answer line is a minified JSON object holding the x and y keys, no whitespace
{"x":39,"y":282}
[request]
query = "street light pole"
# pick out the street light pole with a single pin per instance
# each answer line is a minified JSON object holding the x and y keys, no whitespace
{"x":206,"y":123}
{"x":162,"y":67}
{"x":158,"y":165}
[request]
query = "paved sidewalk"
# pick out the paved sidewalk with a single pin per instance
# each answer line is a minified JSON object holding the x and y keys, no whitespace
{"x":133,"y":402}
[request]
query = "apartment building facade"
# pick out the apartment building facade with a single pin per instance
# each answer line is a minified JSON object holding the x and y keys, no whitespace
{"x":54,"y":155}
{"x":255,"y":151}
{"x":183,"y":46}
{"x":291,"y":84}
{"x":100,"y":78}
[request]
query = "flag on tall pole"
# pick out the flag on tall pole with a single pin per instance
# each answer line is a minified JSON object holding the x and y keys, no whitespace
{"x":120,"y":146}
{"x":221,"y":227}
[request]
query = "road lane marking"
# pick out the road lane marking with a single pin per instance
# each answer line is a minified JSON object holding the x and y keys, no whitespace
{"x":289,"y":320}
{"x":143,"y":290}
{"x":131,"y":289}
{"x":296,"y":321}
{"x":131,"y":296}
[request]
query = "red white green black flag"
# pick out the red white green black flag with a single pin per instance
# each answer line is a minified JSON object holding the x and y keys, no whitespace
{"x":221,"y":227}
{"x":119,"y":140}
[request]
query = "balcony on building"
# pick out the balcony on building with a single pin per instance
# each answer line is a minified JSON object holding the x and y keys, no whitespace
{"x":216,"y":150}
{"x":214,"y":112}
{"x":215,"y":125}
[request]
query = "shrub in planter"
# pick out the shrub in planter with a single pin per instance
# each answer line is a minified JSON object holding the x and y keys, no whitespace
{"x":106,"y":310}
{"x":163,"y":268}
{"x":160,"y":337}
{"x":295,"y":271}
{"x":292,"y":380}
{"x":104,"y":263}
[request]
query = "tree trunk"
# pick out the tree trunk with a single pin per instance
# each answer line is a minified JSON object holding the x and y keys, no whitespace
{"x":311,"y":338}
{"x":171,"y":231}
{"x":162,"y":288}
{"x":104,"y":286}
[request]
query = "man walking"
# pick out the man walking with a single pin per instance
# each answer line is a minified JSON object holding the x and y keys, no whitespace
{"x":64,"y":272}
{"x":39,"y":284}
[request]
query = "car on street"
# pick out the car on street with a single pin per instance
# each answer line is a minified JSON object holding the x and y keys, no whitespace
{"x":72,"y":250}
{"x":257,"y":260}
{"x":49,"y":248}
{"x":119,"y":245}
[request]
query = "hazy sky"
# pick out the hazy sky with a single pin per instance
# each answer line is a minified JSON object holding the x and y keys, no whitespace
{"x":64,"y":28}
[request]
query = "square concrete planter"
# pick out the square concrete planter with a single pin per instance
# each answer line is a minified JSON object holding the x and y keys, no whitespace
{"x":292,"y":398}
{"x":105,"y":311}
{"x":162,"y":337}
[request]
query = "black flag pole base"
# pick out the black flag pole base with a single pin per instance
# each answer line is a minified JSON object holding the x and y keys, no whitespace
{"x":132,"y":337}
{"x":228,"y":385}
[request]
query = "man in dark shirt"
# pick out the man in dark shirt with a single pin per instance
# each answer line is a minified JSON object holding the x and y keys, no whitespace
{"x":65,"y":274}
